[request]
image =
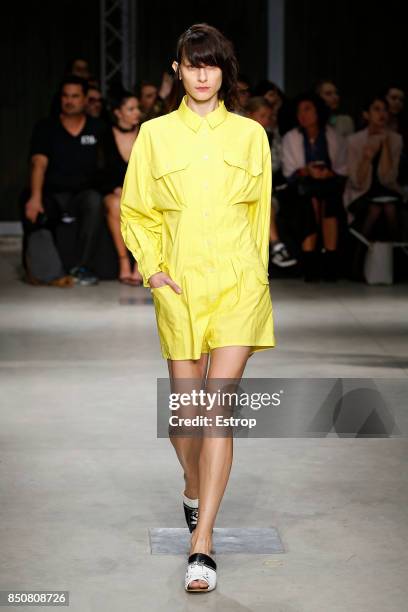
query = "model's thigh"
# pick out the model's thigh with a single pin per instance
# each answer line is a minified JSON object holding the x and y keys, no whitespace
{"x":228,"y":361}
{"x":188,"y":368}
{"x":187,"y":376}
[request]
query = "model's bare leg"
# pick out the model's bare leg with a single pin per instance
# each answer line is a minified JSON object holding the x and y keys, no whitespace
{"x":188,"y":448}
{"x":215,"y":456}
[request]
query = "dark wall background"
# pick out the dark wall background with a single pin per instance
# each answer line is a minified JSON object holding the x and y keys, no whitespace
{"x":36,"y":40}
{"x":358,"y":44}
{"x":243,"y":21}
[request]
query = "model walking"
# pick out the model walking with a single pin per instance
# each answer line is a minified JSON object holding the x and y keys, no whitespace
{"x":195,"y":212}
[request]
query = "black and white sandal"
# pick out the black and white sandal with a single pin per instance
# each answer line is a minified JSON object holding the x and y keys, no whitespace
{"x":201,"y":567}
{"x":190,"y":512}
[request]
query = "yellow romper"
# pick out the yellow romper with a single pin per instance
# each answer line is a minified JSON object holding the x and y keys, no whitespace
{"x":196,"y":205}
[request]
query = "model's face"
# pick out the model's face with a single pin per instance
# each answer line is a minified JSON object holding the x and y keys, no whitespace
{"x":201,"y":83}
{"x":395,"y":98}
{"x":377,"y":115}
{"x":329,"y":93}
{"x":307,"y":114}
{"x":73,"y":100}
{"x":128,"y":115}
{"x":94,"y":104}
{"x":263,"y":116}
{"x":148,"y":97}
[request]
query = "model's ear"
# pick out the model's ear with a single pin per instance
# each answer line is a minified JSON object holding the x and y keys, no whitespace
{"x":175,"y":66}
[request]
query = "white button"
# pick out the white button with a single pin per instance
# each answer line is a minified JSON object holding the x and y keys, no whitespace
{"x":205,"y":156}
{"x":211,"y":270}
{"x":205,"y":185}
{"x":209,"y":242}
{"x":205,"y":213}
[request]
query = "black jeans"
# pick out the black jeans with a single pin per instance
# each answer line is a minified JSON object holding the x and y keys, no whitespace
{"x":85,"y":207}
{"x":296,"y":203}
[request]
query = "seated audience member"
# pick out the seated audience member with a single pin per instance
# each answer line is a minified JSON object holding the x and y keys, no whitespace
{"x":314,"y":164}
{"x":398,"y":122}
{"x":78,"y":67}
{"x":372,"y":191}
{"x":395,"y":98}
{"x":243,"y":94}
{"x":117,"y":146}
{"x":275,"y":96}
{"x":259,"y":109}
{"x":94,"y":105}
{"x":343,"y":124}
{"x":64,"y":174}
{"x":150,"y":104}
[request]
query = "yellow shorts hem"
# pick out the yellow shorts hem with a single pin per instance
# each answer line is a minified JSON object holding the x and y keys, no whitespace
{"x":254,"y":349}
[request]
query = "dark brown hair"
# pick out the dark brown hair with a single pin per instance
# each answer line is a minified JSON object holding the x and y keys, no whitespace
{"x":202,"y":44}
{"x":257,"y":102}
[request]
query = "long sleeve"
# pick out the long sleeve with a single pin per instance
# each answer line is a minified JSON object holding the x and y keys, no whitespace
{"x":260,"y":212}
{"x":354,"y":157}
{"x":390,"y":179}
{"x":290,"y":156}
{"x":337,"y":152}
{"x":141,"y":224}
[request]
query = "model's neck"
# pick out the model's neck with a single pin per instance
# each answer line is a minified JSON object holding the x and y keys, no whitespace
{"x":203,"y":107}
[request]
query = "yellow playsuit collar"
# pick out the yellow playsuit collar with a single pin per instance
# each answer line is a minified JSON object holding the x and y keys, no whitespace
{"x":194,"y":120}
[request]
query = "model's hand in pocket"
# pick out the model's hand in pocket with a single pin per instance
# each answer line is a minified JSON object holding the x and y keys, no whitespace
{"x":160,"y":279}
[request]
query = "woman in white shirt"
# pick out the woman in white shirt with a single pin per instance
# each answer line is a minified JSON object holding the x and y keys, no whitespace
{"x":314,"y":165}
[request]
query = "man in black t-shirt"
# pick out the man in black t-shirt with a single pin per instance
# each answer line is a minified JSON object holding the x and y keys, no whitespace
{"x":64,"y":174}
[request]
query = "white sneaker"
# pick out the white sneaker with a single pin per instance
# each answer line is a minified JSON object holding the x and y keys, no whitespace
{"x":280,"y":256}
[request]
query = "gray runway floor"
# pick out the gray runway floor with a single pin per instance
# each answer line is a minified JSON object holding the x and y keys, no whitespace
{"x":84,"y":477}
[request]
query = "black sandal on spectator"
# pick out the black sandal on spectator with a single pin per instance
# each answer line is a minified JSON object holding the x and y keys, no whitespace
{"x":329,"y":268}
{"x":128,"y":280}
{"x":311,"y":271}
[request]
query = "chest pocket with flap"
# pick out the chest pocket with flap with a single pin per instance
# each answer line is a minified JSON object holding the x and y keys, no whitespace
{"x":168,"y":185}
{"x":243,"y":177}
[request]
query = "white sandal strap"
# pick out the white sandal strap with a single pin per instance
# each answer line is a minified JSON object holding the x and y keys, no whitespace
{"x":201,"y":567}
{"x":198,"y":571}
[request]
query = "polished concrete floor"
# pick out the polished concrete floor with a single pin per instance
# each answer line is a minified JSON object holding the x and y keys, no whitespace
{"x":83,"y":476}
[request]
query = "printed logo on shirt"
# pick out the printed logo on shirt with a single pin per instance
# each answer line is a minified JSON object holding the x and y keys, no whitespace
{"x":88,"y":139}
